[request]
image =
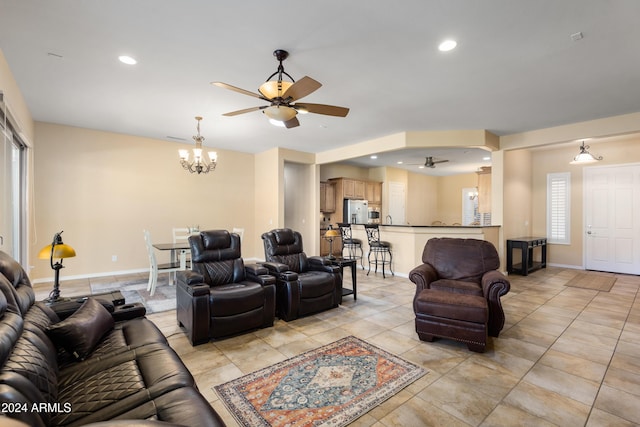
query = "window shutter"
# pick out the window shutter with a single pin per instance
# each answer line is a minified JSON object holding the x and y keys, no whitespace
{"x":558,"y":215}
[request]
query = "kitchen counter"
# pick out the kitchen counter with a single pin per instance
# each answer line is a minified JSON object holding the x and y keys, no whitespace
{"x":408,"y":241}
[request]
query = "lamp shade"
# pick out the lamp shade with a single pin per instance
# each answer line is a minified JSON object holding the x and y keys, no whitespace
{"x":332,"y":233}
{"x":584,"y":156}
{"x":280,"y":113}
{"x":60,"y":250}
{"x":274,"y":89}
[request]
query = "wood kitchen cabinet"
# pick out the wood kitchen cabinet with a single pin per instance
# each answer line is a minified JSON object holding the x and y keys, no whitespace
{"x":374,"y":193}
{"x":353,"y":189}
{"x":327,"y":197}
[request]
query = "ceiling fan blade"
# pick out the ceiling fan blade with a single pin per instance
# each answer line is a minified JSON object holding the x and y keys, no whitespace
{"x":246,"y":110}
{"x":292,"y":123}
{"x":328,"y":110}
{"x":239,"y":90}
{"x":440,"y":161}
{"x":301,"y":88}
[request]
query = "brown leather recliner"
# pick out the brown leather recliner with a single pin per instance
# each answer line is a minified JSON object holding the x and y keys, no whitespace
{"x":305,"y":285}
{"x":461,"y":267}
{"x":220,"y":296}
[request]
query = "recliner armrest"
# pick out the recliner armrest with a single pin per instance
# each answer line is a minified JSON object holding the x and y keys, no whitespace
{"x":189,"y":277}
{"x":494,"y":284}
{"x":275,"y":267}
{"x":192,"y":282}
{"x":318,"y":260}
{"x":318,"y":263}
{"x":281,"y":271}
{"x":422,"y":276}
{"x":255,"y":269}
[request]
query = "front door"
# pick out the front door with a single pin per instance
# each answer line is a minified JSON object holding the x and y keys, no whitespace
{"x":612,"y":218}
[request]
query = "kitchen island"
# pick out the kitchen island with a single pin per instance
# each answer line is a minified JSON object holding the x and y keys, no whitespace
{"x":408,"y":241}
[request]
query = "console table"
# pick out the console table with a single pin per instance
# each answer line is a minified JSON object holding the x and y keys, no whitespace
{"x":526,"y":246}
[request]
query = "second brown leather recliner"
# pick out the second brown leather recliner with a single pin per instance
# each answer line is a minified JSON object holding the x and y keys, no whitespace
{"x":305,"y":285}
{"x":221,"y":296}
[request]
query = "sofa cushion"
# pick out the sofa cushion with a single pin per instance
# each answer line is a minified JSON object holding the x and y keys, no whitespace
{"x":457,"y":286}
{"x":447,"y":305}
{"x":79,"y":333}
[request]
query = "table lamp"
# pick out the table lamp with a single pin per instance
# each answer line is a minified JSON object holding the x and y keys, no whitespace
{"x":56,"y":249}
{"x":330,"y":235}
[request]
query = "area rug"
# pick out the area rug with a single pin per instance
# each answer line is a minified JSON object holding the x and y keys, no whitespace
{"x":135,"y":290}
{"x":329,"y":386}
{"x":595,"y":281}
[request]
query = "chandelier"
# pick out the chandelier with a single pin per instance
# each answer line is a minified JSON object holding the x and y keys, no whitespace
{"x":201,"y":163}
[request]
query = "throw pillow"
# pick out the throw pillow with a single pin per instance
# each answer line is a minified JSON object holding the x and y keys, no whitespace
{"x":80,"y":332}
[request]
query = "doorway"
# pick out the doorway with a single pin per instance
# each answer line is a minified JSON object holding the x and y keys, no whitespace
{"x":612,"y":218}
{"x":397,"y":199}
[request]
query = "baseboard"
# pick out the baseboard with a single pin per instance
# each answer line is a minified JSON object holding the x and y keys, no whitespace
{"x":88,"y":276}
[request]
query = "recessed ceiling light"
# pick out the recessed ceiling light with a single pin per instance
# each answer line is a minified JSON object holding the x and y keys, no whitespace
{"x":374,"y":157}
{"x":127,"y":60}
{"x":400,"y":162}
{"x":447,"y":45}
{"x":486,"y":158}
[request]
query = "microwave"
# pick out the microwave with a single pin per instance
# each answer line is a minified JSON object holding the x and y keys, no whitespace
{"x":374,"y":216}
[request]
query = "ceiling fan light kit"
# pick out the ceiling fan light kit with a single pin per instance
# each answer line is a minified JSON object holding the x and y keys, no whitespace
{"x":282,"y":95}
{"x":280,"y":113}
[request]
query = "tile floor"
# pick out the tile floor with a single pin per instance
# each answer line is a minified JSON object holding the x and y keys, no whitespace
{"x":566,"y":356}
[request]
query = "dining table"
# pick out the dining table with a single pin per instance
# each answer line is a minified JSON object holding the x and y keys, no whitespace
{"x":179,"y":251}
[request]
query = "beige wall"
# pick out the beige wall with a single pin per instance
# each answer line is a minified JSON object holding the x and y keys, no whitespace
{"x":450,"y":196}
{"x":525,"y":184}
{"x":104,"y":188}
{"x":422,"y":199}
{"x":518,"y":169}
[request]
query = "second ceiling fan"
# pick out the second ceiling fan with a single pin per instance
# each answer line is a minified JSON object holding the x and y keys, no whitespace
{"x":282,"y":96}
{"x":429,"y":162}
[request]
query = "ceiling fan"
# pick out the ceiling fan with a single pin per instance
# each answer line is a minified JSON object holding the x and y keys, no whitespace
{"x":282,"y":96}
{"x":429,"y":162}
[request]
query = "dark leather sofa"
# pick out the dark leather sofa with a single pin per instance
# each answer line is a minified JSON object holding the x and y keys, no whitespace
{"x":304,"y":285}
{"x":87,"y":368}
{"x":220,"y":296}
{"x":458,"y":290}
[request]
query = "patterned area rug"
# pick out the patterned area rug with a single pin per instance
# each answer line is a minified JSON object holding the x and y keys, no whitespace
{"x":596,"y":281}
{"x":134,"y":291}
{"x":329,"y":386}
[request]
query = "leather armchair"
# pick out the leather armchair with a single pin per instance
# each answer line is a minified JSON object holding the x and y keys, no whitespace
{"x":220,"y":296}
{"x":464,"y":266}
{"x":305,"y":285}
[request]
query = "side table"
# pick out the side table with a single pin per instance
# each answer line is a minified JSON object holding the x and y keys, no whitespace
{"x":526,"y":245}
{"x":351,"y":263}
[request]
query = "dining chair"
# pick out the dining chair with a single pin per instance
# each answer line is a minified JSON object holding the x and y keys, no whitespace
{"x":155,"y":268}
{"x":239,"y":232}
{"x":181,"y":234}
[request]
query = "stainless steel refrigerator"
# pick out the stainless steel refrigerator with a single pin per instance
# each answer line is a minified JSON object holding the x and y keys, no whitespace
{"x":355,"y":211}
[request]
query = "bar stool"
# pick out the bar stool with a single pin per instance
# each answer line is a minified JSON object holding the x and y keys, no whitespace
{"x":350,"y":244}
{"x":380,"y":249}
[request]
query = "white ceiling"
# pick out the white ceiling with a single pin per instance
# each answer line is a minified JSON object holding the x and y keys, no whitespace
{"x":516,"y":67}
